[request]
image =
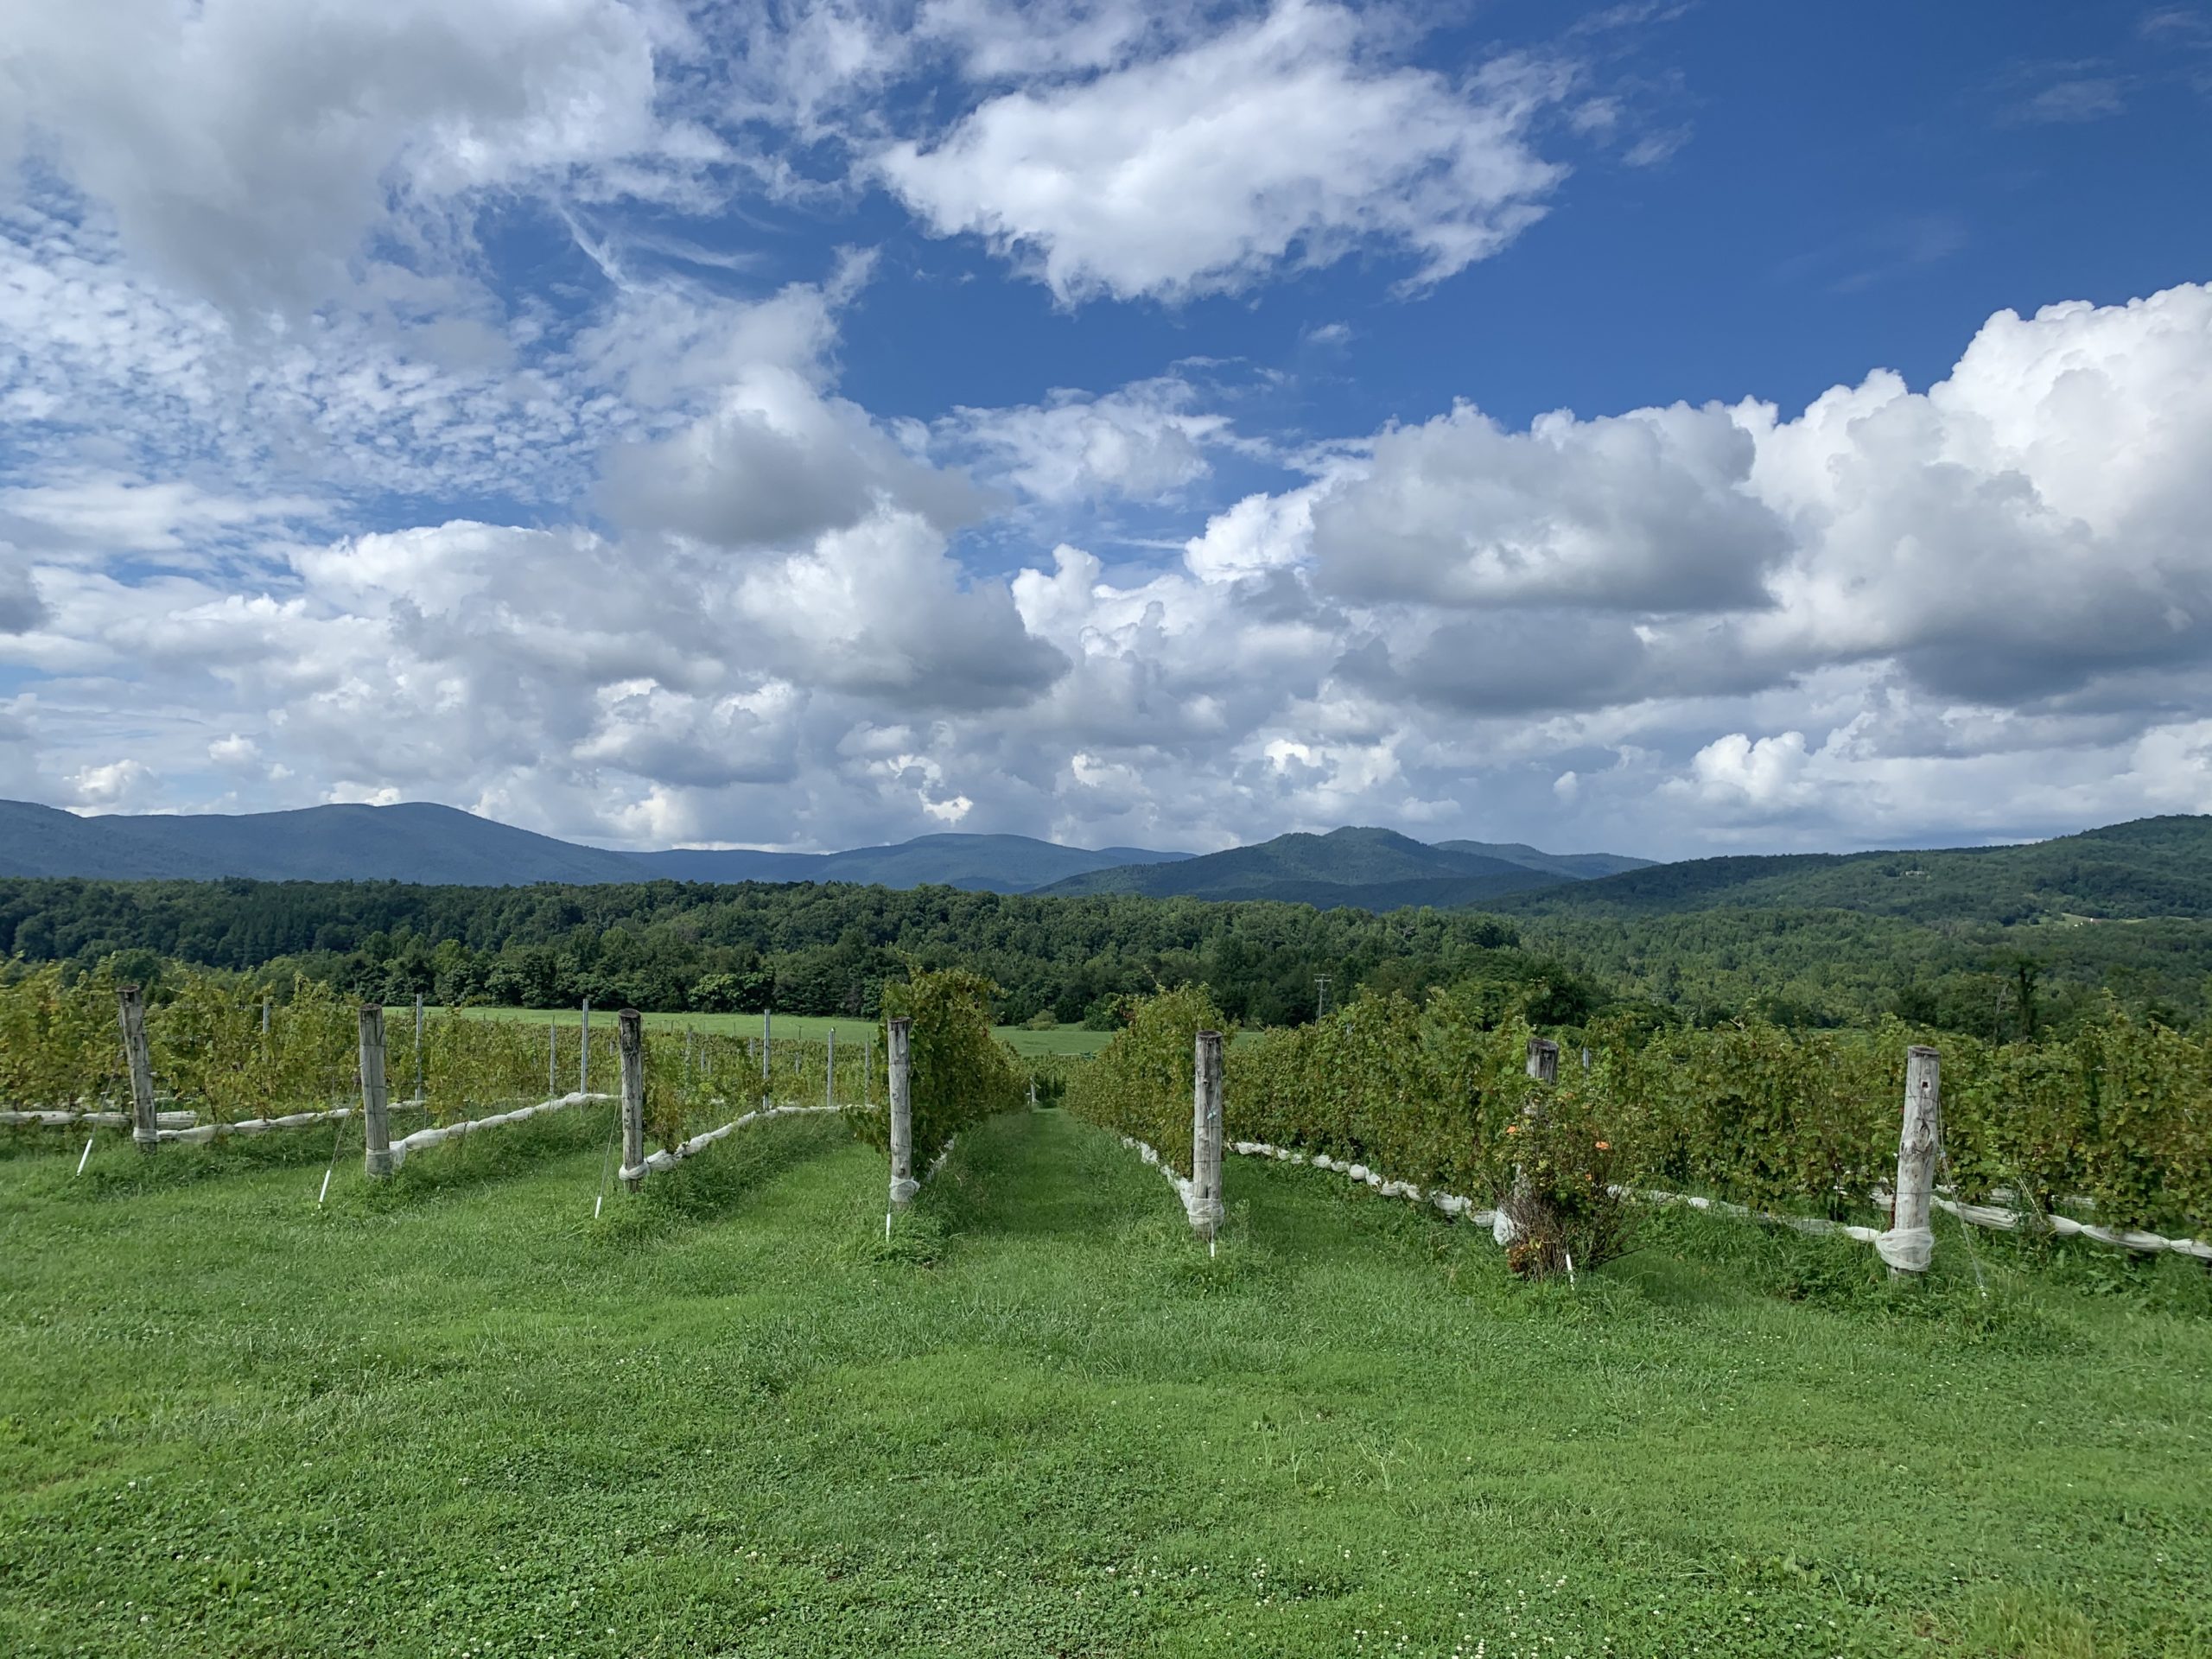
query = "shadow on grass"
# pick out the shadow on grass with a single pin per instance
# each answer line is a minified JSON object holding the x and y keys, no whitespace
{"x":715,"y":1184}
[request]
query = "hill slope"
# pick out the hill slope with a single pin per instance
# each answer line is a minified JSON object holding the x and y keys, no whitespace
{"x":1580,"y":867}
{"x":982,"y":863}
{"x":418,"y":842}
{"x":2148,"y":868}
{"x":1374,"y":869}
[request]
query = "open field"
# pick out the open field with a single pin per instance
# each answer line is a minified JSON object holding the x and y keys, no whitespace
{"x":1061,"y":1039}
{"x":457,"y":1416}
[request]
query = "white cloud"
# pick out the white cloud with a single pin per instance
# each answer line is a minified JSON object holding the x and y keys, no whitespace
{"x":114,"y":786}
{"x":1646,"y":512}
{"x":2025,"y":526}
{"x":1285,"y":138}
{"x":1144,"y":443}
{"x":299,"y":482}
{"x":1764,"y":774}
{"x":774,"y":464}
{"x":247,"y":148}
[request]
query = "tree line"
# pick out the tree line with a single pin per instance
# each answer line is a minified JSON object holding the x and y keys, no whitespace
{"x":830,"y":948}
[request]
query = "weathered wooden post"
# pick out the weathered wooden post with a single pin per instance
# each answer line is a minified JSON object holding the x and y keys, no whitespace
{"x":766,"y":1038}
{"x":583,"y":1066}
{"x":1909,"y":1244}
{"x":829,"y":1073}
{"x":1543,"y":1059}
{"x":130,"y":1008}
{"x":552,"y":1058}
{"x":418,"y":1048}
{"x":375,"y":1123}
{"x":1542,"y":1067}
{"x":903,"y":1185}
{"x":630,"y":1038}
{"x":1204,"y":1204}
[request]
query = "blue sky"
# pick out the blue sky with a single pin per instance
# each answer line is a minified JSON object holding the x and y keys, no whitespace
{"x":1667,"y":428}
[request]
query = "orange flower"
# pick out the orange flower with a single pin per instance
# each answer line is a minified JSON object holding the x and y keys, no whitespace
{"x":1604,"y":1146}
{"x":1513,"y":1129}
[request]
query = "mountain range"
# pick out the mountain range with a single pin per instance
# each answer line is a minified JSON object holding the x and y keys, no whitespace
{"x":2152,"y":867}
{"x":443,"y":846}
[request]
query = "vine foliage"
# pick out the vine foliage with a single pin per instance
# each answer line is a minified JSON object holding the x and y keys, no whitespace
{"x":957,"y":1073}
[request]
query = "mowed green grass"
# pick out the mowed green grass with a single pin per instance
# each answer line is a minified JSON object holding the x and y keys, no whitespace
{"x":1061,"y":1039}
{"x":457,"y":1416}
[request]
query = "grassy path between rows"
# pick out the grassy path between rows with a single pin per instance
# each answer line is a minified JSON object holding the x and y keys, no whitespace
{"x":460,"y":1417}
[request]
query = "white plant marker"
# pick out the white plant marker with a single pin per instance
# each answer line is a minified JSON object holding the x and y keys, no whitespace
{"x":325,"y":1193}
{"x":88,"y":1153}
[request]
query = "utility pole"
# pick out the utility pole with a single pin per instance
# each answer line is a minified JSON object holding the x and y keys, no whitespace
{"x":1321,"y":999}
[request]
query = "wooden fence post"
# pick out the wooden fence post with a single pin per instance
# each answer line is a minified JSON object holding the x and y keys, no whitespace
{"x":903,"y":1185}
{"x":418,"y":1048}
{"x":130,"y":1007}
{"x":1543,"y":1059}
{"x":630,"y":1038}
{"x":1205,"y":1205}
{"x":376,"y":1125}
{"x":767,"y":1044}
{"x":829,"y":1073}
{"x":1908,"y":1245}
{"x":1543,"y":1067}
{"x":552,"y":1058}
{"x":583,"y":1063}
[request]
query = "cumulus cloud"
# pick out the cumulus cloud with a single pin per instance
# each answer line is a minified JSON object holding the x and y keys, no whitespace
{"x":1646,"y":511}
{"x":2024,"y":526}
{"x":775,"y":463}
{"x":601,"y":540}
{"x":248,"y":147}
{"x":114,"y":786}
{"x":1283,"y":138}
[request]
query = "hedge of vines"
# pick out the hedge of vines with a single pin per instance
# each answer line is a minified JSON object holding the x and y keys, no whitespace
{"x":1140,"y":1082}
{"x":697,"y":1080}
{"x":2119,"y":1113}
{"x":957,"y":1072}
{"x":61,"y":1049}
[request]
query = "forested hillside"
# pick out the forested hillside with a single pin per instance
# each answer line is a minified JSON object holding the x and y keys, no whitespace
{"x":1375,"y":869}
{"x":2149,"y":868}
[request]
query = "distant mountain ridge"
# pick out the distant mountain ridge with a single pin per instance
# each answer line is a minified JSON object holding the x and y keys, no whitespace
{"x":2144,"y":868}
{"x":1370,"y":869}
{"x":417,"y":842}
{"x":438,"y":845}
{"x":983,"y":863}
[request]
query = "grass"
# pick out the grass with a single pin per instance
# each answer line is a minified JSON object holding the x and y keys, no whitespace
{"x":457,"y":1416}
{"x":1060,"y":1039}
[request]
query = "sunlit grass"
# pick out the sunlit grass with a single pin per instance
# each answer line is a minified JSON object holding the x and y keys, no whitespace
{"x":458,"y":1415}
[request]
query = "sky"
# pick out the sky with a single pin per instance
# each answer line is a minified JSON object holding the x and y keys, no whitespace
{"x":1671,"y":429}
